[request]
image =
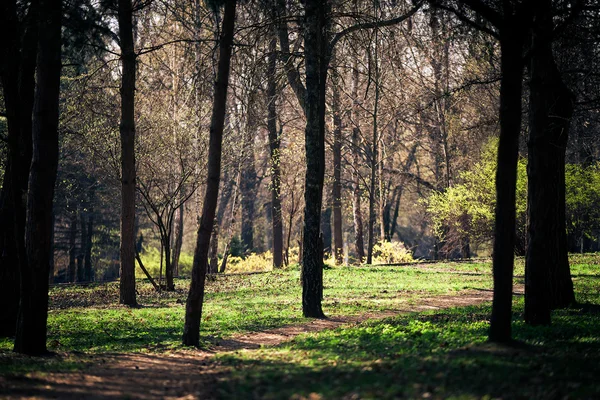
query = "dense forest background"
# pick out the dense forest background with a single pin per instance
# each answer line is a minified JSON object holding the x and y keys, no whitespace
{"x":411,"y":117}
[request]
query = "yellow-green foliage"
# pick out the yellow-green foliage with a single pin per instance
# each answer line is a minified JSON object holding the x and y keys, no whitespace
{"x":391,"y":253}
{"x":151,"y":259}
{"x":251,"y":263}
{"x":582,"y":198}
{"x":467,"y":209}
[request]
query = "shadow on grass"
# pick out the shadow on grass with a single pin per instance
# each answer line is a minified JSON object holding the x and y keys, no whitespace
{"x":426,"y":356}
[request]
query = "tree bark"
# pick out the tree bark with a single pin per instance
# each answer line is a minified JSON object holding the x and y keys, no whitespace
{"x":178,"y":231}
{"x":548,"y":282}
{"x":511,"y":64}
{"x":356,"y":197}
{"x":274,"y":145}
{"x":17,"y":69}
{"x":248,"y":177}
{"x":193,"y":309}
{"x":72,"y":267}
{"x":128,"y":174}
{"x":315,"y":42}
{"x":336,"y":192}
{"x":87,"y":260}
{"x":33,"y":311}
{"x":81,"y":254}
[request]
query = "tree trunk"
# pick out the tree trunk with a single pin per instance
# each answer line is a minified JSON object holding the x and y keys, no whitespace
{"x":316,"y":74}
{"x":178,"y":231}
{"x":17,"y":68}
{"x":33,"y":311}
{"x":89,"y":276}
{"x":193,"y":309}
{"x":548,"y":282}
{"x":511,"y":64}
{"x":127,"y":130}
{"x":338,"y":240}
{"x":356,"y":163}
{"x":326,"y":230}
{"x":168,"y":265}
{"x":72,"y":267}
{"x":248,"y":178}
{"x":81,"y":254}
{"x":374,"y":155}
{"x":213,"y":266}
{"x":274,"y":145}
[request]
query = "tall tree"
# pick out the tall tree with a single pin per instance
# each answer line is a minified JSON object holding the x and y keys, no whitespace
{"x":274,"y":150}
{"x":316,"y":46}
{"x":17,"y":74}
{"x":338,"y":241}
{"x":548,"y":282}
{"x":127,"y":130}
{"x":193,"y":308}
{"x":33,"y":309}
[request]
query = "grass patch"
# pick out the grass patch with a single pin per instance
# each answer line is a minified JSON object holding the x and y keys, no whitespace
{"x":426,"y":355}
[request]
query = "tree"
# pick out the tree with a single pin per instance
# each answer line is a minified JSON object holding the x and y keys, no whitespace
{"x":548,"y":282}
{"x":316,"y":61}
{"x":274,"y":148}
{"x":33,"y":308}
{"x":128,"y":173}
{"x":17,"y":74}
{"x":193,"y":308}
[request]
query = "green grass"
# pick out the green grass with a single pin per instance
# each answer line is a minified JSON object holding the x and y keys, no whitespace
{"x":432,"y":355}
{"x":426,"y":355}
{"x":89,"y":319}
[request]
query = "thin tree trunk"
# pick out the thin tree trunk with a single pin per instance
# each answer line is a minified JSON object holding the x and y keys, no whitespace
{"x":374,"y":161}
{"x":248,"y":178}
{"x":193,"y":309}
{"x":274,"y":145}
{"x":356,"y":198}
{"x":178,"y":230}
{"x":511,"y":64}
{"x":33,"y":311}
{"x":127,"y":130}
{"x":89,"y":276}
{"x":80,"y":256}
{"x":338,"y":240}
{"x":316,"y":74}
{"x":213,"y":267}
{"x":72,"y":267}
{"x":548,"y":282}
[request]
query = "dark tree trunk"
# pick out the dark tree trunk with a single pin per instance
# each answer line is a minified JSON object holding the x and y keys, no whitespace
{"x":356,"y":198}
{"x":33,"y":311}
{"x":193,"y":309}
{"x":316,"y":74}
{"x":170,"y":284}
{"x":81,"y":254}
{"x":248,"y":177}
{"x":213,"y":266}
{"x":127,"y":129}
{"x":72,"y":267}
{"x":274,"y":145}
{"x":326,"y":230}
{"x":178,"y":231}
{"x":511,"y":64}
{"x":548,"y":282}
{"x":338,"y":240}
{"x":87,"y":259}
{"x":17,"y":69}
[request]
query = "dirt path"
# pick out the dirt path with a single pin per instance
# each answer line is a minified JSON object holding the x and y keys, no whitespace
{"x":185,"y":374}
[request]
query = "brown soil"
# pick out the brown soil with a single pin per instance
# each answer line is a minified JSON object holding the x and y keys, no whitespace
{"x":184,"y":374}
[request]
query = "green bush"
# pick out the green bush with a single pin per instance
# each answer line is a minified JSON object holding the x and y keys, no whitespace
{"x":391,"y":253}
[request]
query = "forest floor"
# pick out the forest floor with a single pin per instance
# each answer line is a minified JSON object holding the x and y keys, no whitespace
{"x":432,"y":346}
{"x":183,"y":374}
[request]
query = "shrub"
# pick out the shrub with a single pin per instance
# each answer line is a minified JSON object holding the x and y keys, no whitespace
{"x":391,"y":253}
